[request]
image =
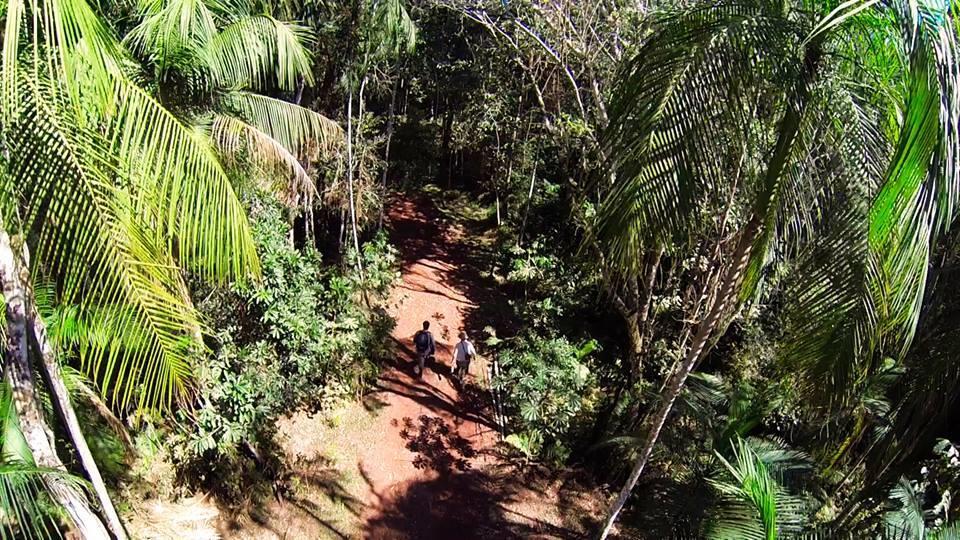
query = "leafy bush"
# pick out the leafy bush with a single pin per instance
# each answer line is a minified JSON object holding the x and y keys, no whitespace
{"x":547,"y":388}
{"x":300,"y":338}
{"x":548,"y":289}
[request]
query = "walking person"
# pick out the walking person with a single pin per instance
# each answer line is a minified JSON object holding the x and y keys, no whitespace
{"x":425,"y":346}
{"x":463,"y":353}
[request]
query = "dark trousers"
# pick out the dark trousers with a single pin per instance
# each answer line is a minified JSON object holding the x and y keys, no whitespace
{"x":422,"y":360}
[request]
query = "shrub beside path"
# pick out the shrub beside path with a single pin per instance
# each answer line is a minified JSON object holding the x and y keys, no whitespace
{"x":418,"y":459}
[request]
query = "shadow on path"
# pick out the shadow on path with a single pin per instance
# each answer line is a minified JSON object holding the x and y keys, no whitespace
{"x":467,"y":505}
{"x":436,"y":472}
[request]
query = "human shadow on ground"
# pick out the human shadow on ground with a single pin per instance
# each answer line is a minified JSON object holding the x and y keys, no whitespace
{"x":469,"y":407}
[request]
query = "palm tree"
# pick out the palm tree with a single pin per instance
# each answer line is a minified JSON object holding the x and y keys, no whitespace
{"x":108,"y":194}
{"x":692,"y":92}
{"x":753,"y":501}
{"x":215,"y":58}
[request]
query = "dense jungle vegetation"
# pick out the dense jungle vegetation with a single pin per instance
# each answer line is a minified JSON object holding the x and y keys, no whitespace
{"x":722,"y":235}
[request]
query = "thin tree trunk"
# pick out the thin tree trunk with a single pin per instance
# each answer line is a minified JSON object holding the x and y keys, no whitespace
{"x":447,"y":136}
{"x":350,"y":165}
{"x":526,"y":212}
{"x":386,"y":152}
{"x":725,"y":295}
{"x":343,"y":231}
{"x":298,"y":96}
{"x":19,"y":374}
{"x":644,"y":300}
{"x":67,"y":415}
{"x":37,"y":331}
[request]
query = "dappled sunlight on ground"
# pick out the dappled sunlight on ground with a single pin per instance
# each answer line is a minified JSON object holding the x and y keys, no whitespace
{"x":421,"y":458}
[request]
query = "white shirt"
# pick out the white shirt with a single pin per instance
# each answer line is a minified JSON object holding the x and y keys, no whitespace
{"x":463,"y":348}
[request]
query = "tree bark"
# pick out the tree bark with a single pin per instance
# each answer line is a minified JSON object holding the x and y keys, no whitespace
{"x":386,"y":152}
{"x":19,"y":375}
{"x":725,"y":297}
{"x":447,"y":135}
{"x":526,"y":212}
{"x":350,"y":165}
{"x":67,"y":415}
{"x":644,"y":301}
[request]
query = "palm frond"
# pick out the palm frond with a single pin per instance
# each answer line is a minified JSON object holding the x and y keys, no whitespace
{"x":861,"y":290}
{"x":178,"y":172}
{"x":390,"y":31}
{"x":118,"y":194}
{"x":260,"y":52}
{"x":233,"y":136}
{"x":922,"y":190}
{"x":673,"y":117}
{"x":830,"y":320}
{"x":298,"y":129}
{"x":87,"y":231}
{"x":908,"y":519}
{"x":752,"y":504}
{"x":172,"y":32}
{"x":23,"y":500}
{"x":949,"y":532}
{"x":24,"y":505}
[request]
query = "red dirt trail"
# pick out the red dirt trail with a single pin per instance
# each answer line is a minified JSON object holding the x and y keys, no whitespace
{"x":433,"y":435}
{"x":435,"y":472}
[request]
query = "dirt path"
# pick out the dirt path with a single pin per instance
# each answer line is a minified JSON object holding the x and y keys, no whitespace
{"x":434,"y":436}
{"x":418,"y":459}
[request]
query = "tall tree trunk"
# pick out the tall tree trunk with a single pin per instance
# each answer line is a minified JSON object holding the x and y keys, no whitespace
{"x":19,"y":374}
{"x":641,"y":325}
{"x":67,"y":415}
{"x":37,"y":330}
{"x":727,"y":293}
{"x":350,"y":167}
{"x":447,"y":136}
{"x":386,"y":152}
{"x":341,"y":237}
{"x":526,"y":212}
{"x":725,"y":297}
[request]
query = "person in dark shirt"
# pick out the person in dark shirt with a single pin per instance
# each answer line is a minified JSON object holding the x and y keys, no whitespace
{"x":425,"y":347}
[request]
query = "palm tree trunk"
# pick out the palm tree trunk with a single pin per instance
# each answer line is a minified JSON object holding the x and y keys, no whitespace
{"x":727,"y":294}
{"x":64,"y":409}
{"x":725,"y":298}
{"x":19,"y":374}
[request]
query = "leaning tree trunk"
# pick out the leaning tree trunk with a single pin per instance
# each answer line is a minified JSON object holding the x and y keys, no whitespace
{"x":19,"y":375}
{"x":724,"y":299}
{"x":64,"y":409}
{"x":726,"y":296}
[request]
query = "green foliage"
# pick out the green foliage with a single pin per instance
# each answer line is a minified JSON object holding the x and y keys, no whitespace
{"x":548,"y":386}
{"x":380,"y":262}
{"x":304,"y":341}
{"x":753,"y":503}
{"x":25,"y":504}
{"x":549,"y":288}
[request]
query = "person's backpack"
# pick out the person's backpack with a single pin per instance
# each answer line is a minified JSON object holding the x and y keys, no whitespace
{"x":422,"y":341}
{"x":467,"y":357}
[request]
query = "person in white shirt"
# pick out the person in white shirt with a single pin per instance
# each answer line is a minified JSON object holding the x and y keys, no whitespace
{"x":463,"y":353}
